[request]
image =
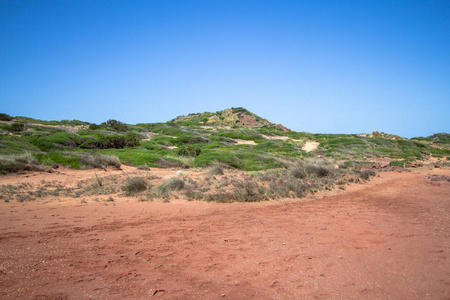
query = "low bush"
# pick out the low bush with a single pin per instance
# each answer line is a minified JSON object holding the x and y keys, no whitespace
{"x":117,"y":125}
{"x":298,"y":170}
{"x":111,"y":142}
{"x":94,"y":126}
{"x":65,"y":159}
{"x":302,"y":170}
{"x":189,"y":150}
{"x":100,"y":161}
{"x":5,"y":117}
{"x":397,"y":163}
{"x":217,"y":169}
{"x":17,"y":127}
{"x":188,"y":138}
{"x":318,"y":171}
{"x":135,"y":185}
{"x":365,"y":175}
{"x":170,"y":185}
{"x":17,"y":162}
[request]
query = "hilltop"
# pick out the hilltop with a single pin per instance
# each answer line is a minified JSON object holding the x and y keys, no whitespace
{"x":231,"y":117}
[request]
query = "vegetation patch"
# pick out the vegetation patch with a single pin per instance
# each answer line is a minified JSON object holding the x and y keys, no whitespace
{"x":135,"y":185}
{"x":170,"y":185}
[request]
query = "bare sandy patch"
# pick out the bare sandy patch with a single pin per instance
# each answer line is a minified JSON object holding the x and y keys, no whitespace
{"x":310,"y":146}
{"x":244,"y":142}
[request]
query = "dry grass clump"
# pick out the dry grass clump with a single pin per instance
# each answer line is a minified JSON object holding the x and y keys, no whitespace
{"x":366,"y":174}
{"x":144,"y":167}
{"x":170,"y":185}
{"x":14,"y":159}
{"x":309,"y":169}
{"x":298,"y":170}
{"x":100,"y":161}
{"x":17,"y":162}
{"x":135,"y":185}
{"x":218,"y":168}
{"x":301,"y":178}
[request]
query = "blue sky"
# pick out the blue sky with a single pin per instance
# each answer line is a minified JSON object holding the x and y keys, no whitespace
{"x":316,"y":66}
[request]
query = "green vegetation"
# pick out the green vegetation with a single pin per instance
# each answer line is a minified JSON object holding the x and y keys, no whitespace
{"x":5,"y":117}
{"x":234,"y":137}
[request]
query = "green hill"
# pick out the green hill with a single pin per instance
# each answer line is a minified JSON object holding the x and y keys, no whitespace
{"x":234,"y":136}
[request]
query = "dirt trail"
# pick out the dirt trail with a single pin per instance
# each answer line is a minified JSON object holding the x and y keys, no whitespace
{"x":389,"y":238}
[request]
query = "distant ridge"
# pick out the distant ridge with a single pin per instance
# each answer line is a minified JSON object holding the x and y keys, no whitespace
{"x":230,"y":117}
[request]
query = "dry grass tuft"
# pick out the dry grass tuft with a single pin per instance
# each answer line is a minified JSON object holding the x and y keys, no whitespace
{"x":135,"y":185}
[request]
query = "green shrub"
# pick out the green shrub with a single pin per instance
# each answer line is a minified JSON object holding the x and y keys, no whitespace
{"x":5,"y":117}
{"x":397,"y":163}
{"x":348,"y":164}
{"x":111,"y":142}
{"x":189,"y":150}
{"x":163,"y":140}
{"x":17,"y":127}
{"x":59,"y":158}
{"x":187,"y":138}
{"x":16,"y":144}
{"x":211,"y":156}
{"x":117,"y":125}
{"x":172,"y":131}
{"x":62,"y":138}
{"x":239,"y":110}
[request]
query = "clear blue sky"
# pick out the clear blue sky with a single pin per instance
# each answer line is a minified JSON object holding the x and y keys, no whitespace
{"x":317,"y":66}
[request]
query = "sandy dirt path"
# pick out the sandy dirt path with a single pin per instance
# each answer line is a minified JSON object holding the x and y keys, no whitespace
{"x":386,"y":239}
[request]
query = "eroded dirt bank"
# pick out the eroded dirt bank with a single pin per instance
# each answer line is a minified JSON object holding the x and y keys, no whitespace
{"x":389,"y":238}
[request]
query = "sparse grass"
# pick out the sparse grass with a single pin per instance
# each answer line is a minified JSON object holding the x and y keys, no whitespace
{"x":298,"y":170}
{"x":17,"y":163}
{"x":143,"y":167}
{"x":365,"y":175}
{"x":170,"y":185}
{"x":99,"y":161}
{"x":135,"y":185}
{"x":303,"y":170}
{"x":217,"y":169}
{"x":397,"y":163}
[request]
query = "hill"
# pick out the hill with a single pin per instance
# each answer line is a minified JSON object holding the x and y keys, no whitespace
{"x":235,"y":137}
{"x":231,"y":117}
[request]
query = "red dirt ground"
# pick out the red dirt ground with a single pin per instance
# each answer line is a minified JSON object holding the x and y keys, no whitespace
{"x":389,"y":238}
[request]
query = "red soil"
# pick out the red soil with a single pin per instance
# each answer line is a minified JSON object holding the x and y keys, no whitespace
{"x":389,"y":238}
